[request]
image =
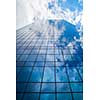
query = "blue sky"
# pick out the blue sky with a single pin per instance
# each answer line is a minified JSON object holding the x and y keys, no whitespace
{"x":70,"y":4}
{"x":68,"y":10}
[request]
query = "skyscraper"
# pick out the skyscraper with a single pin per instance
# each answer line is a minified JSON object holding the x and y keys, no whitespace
{"x":49,"y":61}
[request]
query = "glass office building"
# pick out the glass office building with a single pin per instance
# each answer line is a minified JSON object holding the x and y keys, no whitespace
{"x":49,"y":61}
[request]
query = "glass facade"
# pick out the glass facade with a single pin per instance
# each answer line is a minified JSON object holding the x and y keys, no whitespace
{"x":49,"y":61}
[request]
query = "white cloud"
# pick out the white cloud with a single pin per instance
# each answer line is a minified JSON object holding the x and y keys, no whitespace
{"x":28,"y":9}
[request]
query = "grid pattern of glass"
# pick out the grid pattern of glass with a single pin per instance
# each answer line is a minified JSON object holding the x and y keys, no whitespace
{"x":45,"y":71}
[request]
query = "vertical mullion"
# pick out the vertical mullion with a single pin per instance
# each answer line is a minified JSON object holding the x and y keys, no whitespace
{"x":55,"y":66}
{"x":43,"y":72}
{"x":68,"y":79}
